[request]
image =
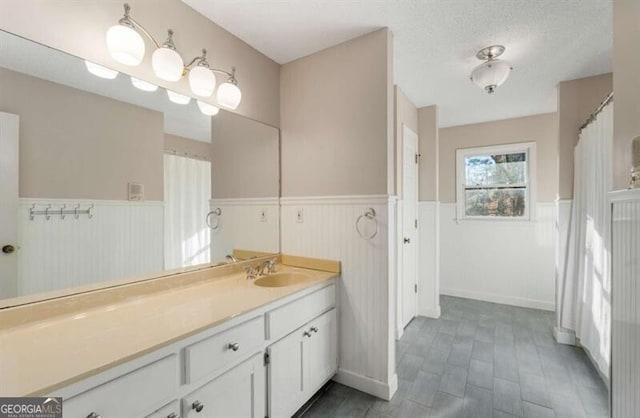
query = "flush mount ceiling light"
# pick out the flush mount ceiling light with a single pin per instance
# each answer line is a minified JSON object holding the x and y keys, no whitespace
{"x":100,"y":71}
{"x":492,"y":73}
{"x":126,"y":45}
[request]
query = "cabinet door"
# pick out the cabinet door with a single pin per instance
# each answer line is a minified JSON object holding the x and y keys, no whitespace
{"x":286,"y":375}
{"x":320,"y":351}
{"x":237,"y":393}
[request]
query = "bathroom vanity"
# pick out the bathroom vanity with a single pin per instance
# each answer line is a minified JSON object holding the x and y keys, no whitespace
{"x":204,"y":343}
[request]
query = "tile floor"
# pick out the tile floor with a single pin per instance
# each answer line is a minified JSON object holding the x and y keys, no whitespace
{"x":479,"y":360}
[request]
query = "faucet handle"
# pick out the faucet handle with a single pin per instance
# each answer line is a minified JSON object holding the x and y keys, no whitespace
{"x":271,"y":266}
{"x":251,"y":272}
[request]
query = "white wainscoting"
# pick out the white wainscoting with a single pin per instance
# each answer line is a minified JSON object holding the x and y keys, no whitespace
{"x":501,"y":261}
{"x":429,"y":259}
{"x":121,"y":239}
{"x":242,"y":226}
{"x":366,"y":290}
{"x":625,"y":333}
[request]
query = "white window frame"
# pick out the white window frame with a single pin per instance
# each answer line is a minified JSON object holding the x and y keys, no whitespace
{"x":529,"y":148}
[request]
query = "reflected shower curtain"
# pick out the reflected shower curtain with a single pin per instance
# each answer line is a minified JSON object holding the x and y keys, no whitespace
{"x":586,"y":296}
{"x":187,"y":190}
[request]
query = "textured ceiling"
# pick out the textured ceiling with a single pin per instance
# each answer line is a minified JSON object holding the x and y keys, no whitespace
{"x":435,"y":42}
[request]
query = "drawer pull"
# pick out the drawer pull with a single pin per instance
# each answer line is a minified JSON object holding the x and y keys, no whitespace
{"x":198,"y":406}
{"x":173,"y":415}
{"x":93,"y":415}
{"x":307,"y":334}
{"x":234,"y":346}
{"x":314,"y":329}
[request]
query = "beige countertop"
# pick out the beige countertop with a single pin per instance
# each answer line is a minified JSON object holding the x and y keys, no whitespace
{"x":40,"y":356}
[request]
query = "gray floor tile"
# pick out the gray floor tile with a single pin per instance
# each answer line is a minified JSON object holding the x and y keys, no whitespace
{"x":481,"y":374}
{"x":507,"y":398}
{"x":567,"y":406}
{"x":501,"y":414}
{"x":482,"y":351}
{"x":506,"y":367}
{"x":409,"y":366}
{"x":435,"y":361}
{"x":485,"y":334}
{"x":448,"y":326}
{"x":594,"y":400}
{"x":424,"y":388}
{"x":536,"y":411}
{"x":409,"y":409}
{"x":477,"y":403}
{"x":446,"y":406}
{"x":454,"y":381}
{"x":460,"y":355}
{"x":534,"y":389}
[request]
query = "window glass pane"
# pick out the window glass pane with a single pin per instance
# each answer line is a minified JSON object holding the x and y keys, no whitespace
{"x":508,"y":202}
{"x":496,"y":169}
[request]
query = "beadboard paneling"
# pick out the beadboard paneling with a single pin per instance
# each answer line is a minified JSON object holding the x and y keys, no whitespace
{"x":241,"y":226}
{"x":625,"y":355}
{"x":501,"y":261}
{"x":365,"y":301}
{"x":428,"y":259}
{"x":122,"y":239}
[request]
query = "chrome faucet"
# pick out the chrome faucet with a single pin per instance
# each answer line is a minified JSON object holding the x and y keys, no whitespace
{"x":268,"y":265}
{"x":252,"y":272}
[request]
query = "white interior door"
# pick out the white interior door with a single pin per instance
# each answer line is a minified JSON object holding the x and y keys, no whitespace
{"x":409,"y":258}
{"x":8,"y":205}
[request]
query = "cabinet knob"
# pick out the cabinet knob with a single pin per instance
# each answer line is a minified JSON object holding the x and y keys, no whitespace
{"x":407,"y":240}
{"x":93,"y":415}
{"x":234,"y":346}
{"x":314,"y":329}
{"x":198,"y":406}
{"x":173,"y":415}
{"x":307,"y":334}
{"x":8,"y":249}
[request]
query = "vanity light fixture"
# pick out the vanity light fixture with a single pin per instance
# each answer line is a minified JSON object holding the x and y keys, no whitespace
{"x":178,"y":98}
{"x":208,"y":109}
{"x":143,"y":85}
{"x":126,"y":45}
{"x":100,"y":71}
{"x":493,"y":72}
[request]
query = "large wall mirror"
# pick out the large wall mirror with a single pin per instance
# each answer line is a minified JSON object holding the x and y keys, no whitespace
{"x":119,"y":179}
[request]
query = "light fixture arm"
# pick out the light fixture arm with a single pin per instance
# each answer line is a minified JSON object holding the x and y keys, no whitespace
{"x":202,"y":61}
{"x":130,"y":22}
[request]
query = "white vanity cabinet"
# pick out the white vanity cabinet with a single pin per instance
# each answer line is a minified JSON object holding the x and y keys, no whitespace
{"x":300,"y":363}
{"x":240,"y":393}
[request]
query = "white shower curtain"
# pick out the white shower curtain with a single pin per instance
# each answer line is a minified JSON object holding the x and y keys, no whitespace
{"x":586,"y":297}
{"x":187,"y":190}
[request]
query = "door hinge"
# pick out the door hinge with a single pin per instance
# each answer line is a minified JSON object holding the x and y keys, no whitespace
{"x":267,"y":359}
{"x":417,"y":158}
{"x":415,"y":223}
{"x":415,"y":288}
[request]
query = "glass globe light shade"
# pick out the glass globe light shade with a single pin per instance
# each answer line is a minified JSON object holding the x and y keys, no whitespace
{"x":167,"y":64}
{"x":178,"y":98}
{"x":202,"y":81}
{"x":229,"y":95}
{"x":207,"y":109}
{"x":100,"y":71}
{"x":143,"y":85}
{"x":125,"y":45}
{"x":491,"y":74}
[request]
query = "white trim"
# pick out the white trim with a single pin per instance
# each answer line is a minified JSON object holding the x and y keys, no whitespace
{"x":339,"y":200}
{"x":529,"y":148}
{"x":431,"y":313}
{"x":624,"y":195}
{"x":564,"y":336}
{"x":245,"y":201}
{"x":368,"y":385}
{"x":506,"y":300}
{"x":97,"y":202}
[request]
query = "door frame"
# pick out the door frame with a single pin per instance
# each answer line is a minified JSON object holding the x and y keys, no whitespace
{"x":400,"y":231}
{"x":9,"y":145}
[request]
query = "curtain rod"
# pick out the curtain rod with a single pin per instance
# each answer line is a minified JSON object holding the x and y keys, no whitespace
{"x":595,"y":114}
{"x":185,"y":154}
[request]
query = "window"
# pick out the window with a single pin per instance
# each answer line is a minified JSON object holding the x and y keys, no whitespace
{"x":495,"y":182}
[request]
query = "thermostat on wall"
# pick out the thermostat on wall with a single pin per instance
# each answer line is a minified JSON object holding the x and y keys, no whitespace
{"x":136,"y":191}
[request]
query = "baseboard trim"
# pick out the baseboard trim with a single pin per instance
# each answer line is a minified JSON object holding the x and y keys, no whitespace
{"x":431,"y":313}
{"x":505,"y":300}
{"x":564,"y":336}
{"x":368,"y":385}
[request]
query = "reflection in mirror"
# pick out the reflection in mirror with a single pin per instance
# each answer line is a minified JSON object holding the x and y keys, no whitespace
{"x":119,"y":178}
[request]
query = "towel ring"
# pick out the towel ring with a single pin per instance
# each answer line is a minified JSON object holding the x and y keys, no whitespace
{"x":370,"y":215}
{"x":217,"y":212}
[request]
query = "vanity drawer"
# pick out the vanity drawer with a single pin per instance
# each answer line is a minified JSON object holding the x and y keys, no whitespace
{"x":204,"y":358}
{"x":132,"y":395}
{"x":283,"y":320}
{"x":171,"y":410}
